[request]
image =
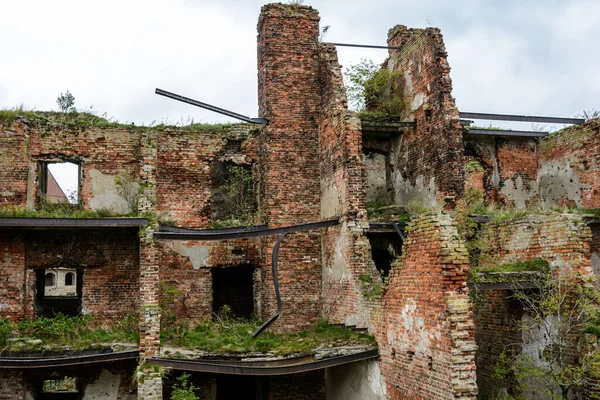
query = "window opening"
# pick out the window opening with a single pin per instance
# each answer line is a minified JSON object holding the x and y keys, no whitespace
{"x":65,"y":385}
{"x":59,"y":182}
{"x":69,"y":279}
{"x":58,"y":290}
{"x":385,"y":248}
{"x":233,"y":290}
{"x":378,"y":178}
{"x":49,"y":280}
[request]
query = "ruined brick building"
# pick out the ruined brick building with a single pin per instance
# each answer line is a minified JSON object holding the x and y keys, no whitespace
{"x":315,"y":166}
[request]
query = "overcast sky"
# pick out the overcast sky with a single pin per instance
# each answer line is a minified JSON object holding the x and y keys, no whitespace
{"x":523,"y":56}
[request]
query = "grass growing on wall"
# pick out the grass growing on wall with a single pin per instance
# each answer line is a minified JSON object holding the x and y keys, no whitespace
{"x":77,"y":332}
{"x":234,"y":336}
{"x":57,"y":210}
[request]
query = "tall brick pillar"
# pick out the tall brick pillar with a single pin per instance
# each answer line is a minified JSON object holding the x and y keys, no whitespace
{"x":288,"y":95}
{"x":149,"y":382}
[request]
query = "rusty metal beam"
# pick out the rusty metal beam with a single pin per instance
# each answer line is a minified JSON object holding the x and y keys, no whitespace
{"x":225,"y":234}
{"x":210,"y":107}
{"x":502,"y":286}
{"x":521,"y":118}
{"x":64,"y":361}
{"x":274,"y":271}
{"x":500,"y":132}
{"x":242,"y":368}
{"x":22,"y":222}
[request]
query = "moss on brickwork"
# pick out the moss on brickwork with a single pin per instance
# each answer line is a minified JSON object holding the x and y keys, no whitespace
{"x":379,"y":212}
{"x":230,"y":336}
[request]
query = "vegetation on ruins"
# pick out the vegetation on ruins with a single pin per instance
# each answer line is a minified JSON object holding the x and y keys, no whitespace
{"x":375,"y":88}
{"x":183,"y":389}
{"x":239,"y":190}
{"x":55,"y":210}
{"x":66,"y":103}
{"x":557,"y":314}
{"x":76,"y":333}
{"x":228,"y":335}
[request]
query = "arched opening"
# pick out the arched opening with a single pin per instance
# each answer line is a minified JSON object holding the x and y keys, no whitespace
{"x":69,"y":279}
{"x":49,"y":279}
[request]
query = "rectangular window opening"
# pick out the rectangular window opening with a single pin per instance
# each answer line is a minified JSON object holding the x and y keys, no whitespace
{"x":233,"y":291}
{"x":59,"y":182}
{"x":65,"y":385}
{"x":58,"y":290}
{"x":233,"y":193}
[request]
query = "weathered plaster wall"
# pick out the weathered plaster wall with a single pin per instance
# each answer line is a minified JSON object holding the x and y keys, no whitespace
{"x":288,"y":96}
{"x":570,"y":166}
{"x":429,"y":163}
{"x":357,"y":381}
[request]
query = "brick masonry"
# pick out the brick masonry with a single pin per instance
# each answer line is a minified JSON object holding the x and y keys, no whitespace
{"x":429,"y":158}
{"x":288,"y":96}
{"x":563,"y":240}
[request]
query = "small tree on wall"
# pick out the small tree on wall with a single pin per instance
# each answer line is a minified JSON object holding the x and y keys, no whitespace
{"x":558,"y":313}
{"x":375,"y":88}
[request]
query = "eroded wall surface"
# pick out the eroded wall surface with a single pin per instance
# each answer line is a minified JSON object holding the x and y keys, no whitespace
{"x":570,"y":166}
{"x":503,"y":170}
{"x":425,"y":328}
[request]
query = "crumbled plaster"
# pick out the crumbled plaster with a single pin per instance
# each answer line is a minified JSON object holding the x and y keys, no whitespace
{"x":197,"y":255}
{"x":105,"y":193}
{"x":516,"y":192}
{"x":596,"y":268}
{"x":105,"y":387}
{"x":414,"y":327}
{"x":333,"y":194}
{"x":405,"y":191}
{"x":557,"y":179}
{"x":357,"y":381}
{"x":31,"y":175}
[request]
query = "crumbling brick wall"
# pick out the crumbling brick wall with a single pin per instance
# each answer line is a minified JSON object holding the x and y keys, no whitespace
{"x":570,"y":166}
{"x":424,"y":328}
{"x":429,"y":157}
{"x":561,"y":239}
{"x":346,"y":249}
{"x":14,"y":140}
{"x":503,"y":170}
{"x":12,"y":275}
{"x":288,"y":96}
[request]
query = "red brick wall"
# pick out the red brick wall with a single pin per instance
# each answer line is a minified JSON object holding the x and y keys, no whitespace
{"x":563,"y":240}
{"x":192,"y":281}
{"x":432,"y":150}
{"x":508,"y":169}
{"x":570,"y":166}
{"x":425,"y":329}
{"x":14,"y":162}
{"x":288,"y":91}
{"x":109,"y":259}
{"x":12,"y":275}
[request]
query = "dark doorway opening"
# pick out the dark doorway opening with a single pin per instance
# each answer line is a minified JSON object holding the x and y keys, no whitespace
{"x":236,"y":387}
{"x":233,"y":287}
